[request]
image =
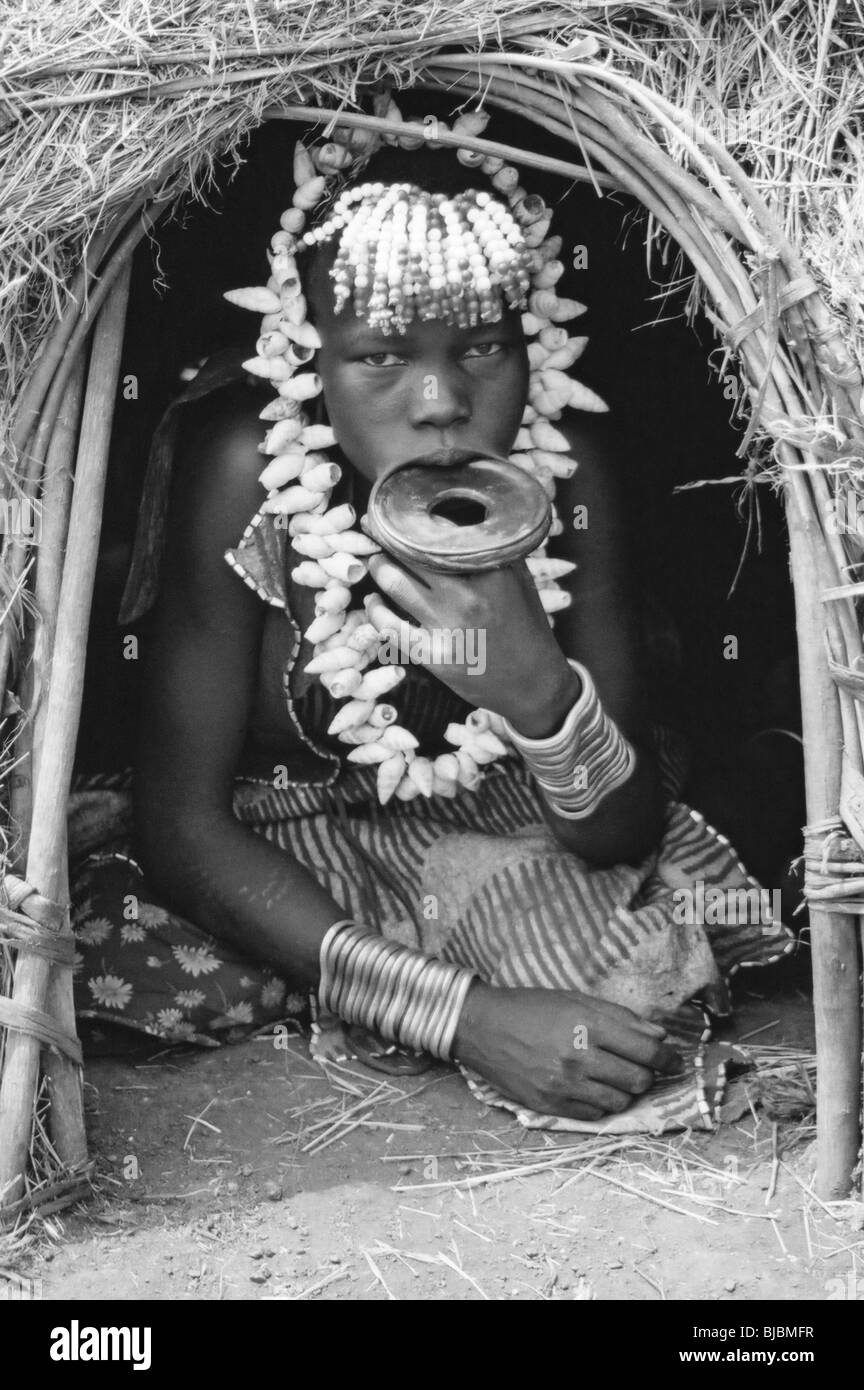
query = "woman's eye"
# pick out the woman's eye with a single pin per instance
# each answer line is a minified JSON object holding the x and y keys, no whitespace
{"x":383,"y":359}
{"x":485,"y":350}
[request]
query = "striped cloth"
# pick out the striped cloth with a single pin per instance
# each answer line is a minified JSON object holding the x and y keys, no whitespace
{"x":481,"y":881}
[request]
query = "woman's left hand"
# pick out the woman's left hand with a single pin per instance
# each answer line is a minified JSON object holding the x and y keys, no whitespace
{"x":484,"y":635}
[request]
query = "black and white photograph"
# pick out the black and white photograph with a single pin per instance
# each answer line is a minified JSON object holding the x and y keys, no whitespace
{"x":432,"y":665}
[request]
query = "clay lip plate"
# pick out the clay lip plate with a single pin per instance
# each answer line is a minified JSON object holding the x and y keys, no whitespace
{"x":400,"y":516}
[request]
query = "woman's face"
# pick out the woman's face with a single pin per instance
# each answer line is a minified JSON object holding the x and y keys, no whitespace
{"x":392,"y":397}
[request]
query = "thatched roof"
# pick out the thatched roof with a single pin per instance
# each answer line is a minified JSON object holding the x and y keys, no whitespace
{"x":106,"y":102}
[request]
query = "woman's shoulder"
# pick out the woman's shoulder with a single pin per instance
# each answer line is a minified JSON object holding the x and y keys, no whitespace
{"x":218,"y":455}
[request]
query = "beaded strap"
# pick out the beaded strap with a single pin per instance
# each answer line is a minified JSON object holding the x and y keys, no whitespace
{"x":410,"y":998}
{"x":586,"y":760}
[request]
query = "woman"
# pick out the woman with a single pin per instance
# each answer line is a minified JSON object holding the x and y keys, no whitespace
{"x":523,"y":912}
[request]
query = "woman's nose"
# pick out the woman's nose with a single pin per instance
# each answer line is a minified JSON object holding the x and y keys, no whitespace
{"x":440,"y":400}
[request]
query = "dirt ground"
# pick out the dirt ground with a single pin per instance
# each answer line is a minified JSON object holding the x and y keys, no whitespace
{"x":239,"y":1205}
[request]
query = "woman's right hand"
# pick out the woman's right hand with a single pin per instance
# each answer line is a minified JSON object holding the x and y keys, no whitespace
{"x":560,"y":1052}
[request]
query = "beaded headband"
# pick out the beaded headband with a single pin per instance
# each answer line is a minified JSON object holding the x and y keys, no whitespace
{"x":402,"y":253}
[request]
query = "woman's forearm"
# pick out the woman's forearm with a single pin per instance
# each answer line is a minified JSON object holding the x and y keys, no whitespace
{"x":626,"y":825}
{"x":245,"y":891}
{"x":628,"y":821}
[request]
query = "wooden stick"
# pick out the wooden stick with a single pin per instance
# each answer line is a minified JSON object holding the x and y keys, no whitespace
{"x":15,"y":554}
{"x":45,"y":862}
{"x":65,"y":1117}
{"x":834,"y":951}
{"x":56,"y":496}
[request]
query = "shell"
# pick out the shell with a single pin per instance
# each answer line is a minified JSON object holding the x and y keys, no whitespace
{"x":294,"y":309}
{"x":531,"y":324}
{"x":309,"y":574}
{"x":583,"y":398}
{"x":313,"y":547}
{"x":364,"y":733}
{"x":543,"y":303}
{"x":444,"y":786}
{"x":545,"y":436}
{"x":351,"y":716}
{"x":279,"y":410}
{"x":550,"y":249}
{"x":338,"y":659}
{"x":553,"y":338}
{"x":457,"y":734}
{"x":530,"y":210}
{"x":368,"y":753}
{"x":472,"y":159}
{"x":537,"y":356}
{"x":355,"y":543}
{"x":298,"y":356}
{"x":350,"y":622}
{"x":345,"y":683}
{"x":336,"y":597}
{"x":283,"y":268}
{"x":534,"y":234}
{"x":335,"y":520}
{"x":270,"y":368}
{"x":281,"y":470}
{"x":479,"y":756}
{"x":491,"y":742}
{"x":283,"y":241}
{"x":318,"y":437}
{"x":332,"y":157}
{"x":567,"y":309}
{"x":293,"y":220}
{"x":546,"y":567}
{"x":309,"y":193}
{"x":446,"y":767}
{"x":399,"y":739}
{"x":550,"y":403}
{"x":523,"y":441}
{"x":471,"y":123}
{"x":506,"y":178}
{"x":564,"y":357}
{"x":301,"y":388}
{"x":379,"y":681}
{"x":470,"y":775}
{"x":363,"y":638}
{"x":420,"y":773}
{"x":305,"y":334}
{"x":322,"y":477}
{"x":271,"y":344}
{"x":323,"y":627}
{"x":382,"y":715}
{"x":491,"y":164}
{"x":477,"y":720}
{"x":283,"y":432}
{"x":553,"y":600}
{"x":384,"y":105}
{"x":292,"y":499}
{"x":390,"y":774}
{"x":549,"y":275}
{"x":255,"y":297}
{"x":407,"y":790}
{"x":303,"y":167}
{"x":557,"y":464}
{"x":348,"y":569}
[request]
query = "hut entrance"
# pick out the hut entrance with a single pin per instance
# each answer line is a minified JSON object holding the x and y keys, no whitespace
{"x":728,"y":672}
{"x":711,"y":561}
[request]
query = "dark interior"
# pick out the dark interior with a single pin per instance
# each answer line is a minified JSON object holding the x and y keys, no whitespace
{"x":680,"y":426}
